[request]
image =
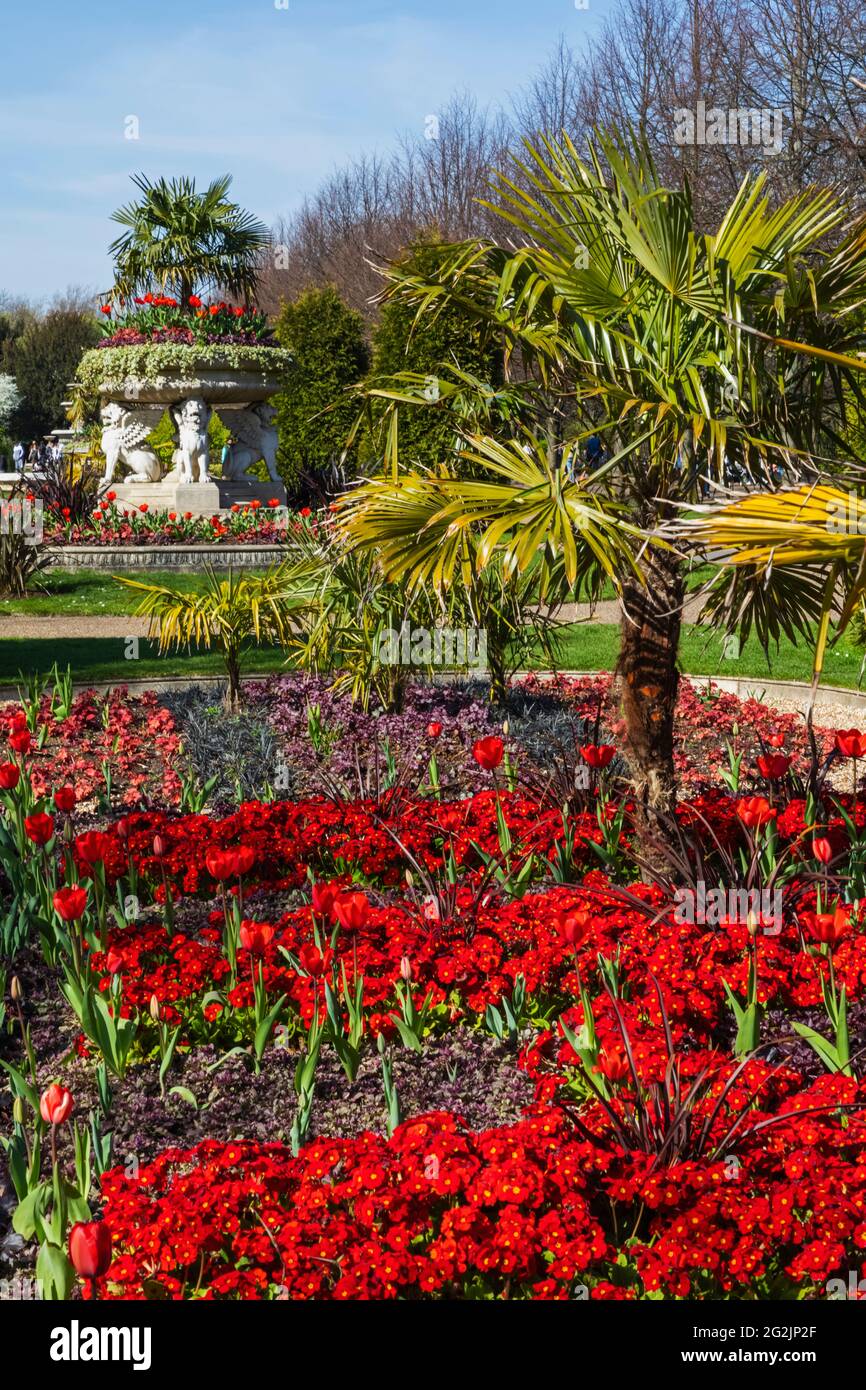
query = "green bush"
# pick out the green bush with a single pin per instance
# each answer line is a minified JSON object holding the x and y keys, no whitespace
{"x":326,"y":341}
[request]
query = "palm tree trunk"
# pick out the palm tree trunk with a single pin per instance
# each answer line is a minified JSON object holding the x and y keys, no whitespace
{"x":646,"y":682}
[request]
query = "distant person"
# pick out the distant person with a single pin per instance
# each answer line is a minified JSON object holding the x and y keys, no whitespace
{"x":56,"y":452}
{"x":226,"y":455}
{"x":33,"y":455}
{"x":18,"y":457}
{"x":596,"y":454}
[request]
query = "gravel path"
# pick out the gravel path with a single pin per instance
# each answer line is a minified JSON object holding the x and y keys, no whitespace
{"x":72,"y":625}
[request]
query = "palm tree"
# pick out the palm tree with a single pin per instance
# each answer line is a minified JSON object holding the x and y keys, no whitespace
{"x":182,"y":241}
{"x":233,"y":613}
{"x":688,"y":355}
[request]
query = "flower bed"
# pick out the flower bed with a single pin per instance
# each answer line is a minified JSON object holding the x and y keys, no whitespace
{"x":688,"y":1067}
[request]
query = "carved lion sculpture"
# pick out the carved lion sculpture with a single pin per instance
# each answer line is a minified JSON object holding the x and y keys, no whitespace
{"x":124,"y":435}
{"x":193,"y":452}
{"x":257,"y":439}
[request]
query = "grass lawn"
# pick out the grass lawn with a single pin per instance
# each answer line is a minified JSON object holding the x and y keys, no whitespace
{"x":586,"y":647}
{"x":88,"y":593}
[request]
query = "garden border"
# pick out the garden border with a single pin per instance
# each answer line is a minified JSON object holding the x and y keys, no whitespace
{"x":176,"y":557}
{"x":741,"y":686}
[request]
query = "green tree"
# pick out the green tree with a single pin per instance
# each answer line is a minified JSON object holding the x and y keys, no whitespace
{"x":427,"y":346}
{"x":315,"y":413}
{"x":180,"y":241}
{"x":43,"y":360}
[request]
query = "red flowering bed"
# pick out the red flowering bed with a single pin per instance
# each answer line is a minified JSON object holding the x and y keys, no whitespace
{"x":696,"y":1129}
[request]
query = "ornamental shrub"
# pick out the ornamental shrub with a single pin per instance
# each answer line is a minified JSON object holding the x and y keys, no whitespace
{"x":327,"y":342}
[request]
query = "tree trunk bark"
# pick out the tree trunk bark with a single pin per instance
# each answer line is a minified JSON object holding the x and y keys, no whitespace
{"x":646,"y":682}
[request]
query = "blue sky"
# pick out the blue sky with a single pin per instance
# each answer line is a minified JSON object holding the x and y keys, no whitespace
{"x":276,"y":96}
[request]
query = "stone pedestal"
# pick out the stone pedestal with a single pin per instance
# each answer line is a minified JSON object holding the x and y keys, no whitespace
{"x":201,"y":499}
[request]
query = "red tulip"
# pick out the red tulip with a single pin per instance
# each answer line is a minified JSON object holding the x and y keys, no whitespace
{"x":324,"y":897}
{"x":195,"y":301}
{"x":755,"y":810}
{"x":613,"y":1063}
{"x":598,"y":755}
{"x":70,"y":903}
{"x":434,"y":728}
{"x":90,"y":1249}
{"x":245,"y":858}
{"x":822,"y":850}
{"x":851,"y":743}
{"x":10,"y":775}
{"x":573,"y":927}
{"x":776,"y":740}
{"x":773,"y":765}
{"x":64,"y":799}
{"x":56,"y":1104}
{"x":220,"y":863}
{"x":19,"y":741}
{"x":488,"y":752}
{"x":312,"y":960}
{"x":92,"y":847}
{"x":39,"y":828}
{"x":828,"y":927}
{"x":352,"y":911}
{"x":114,"y":962}
{"x":256,"y":937}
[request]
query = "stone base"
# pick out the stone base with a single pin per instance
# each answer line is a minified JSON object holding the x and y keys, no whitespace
{"x":201,"y":499}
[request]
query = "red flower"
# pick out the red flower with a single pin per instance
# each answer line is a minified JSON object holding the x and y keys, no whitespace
{"x":114,"y":962}
{"x":324,"y":897}
{"x":39,"y":828}
{"x":92,"y":847}
{"x":829,"y":927}
{"x":598,"y":755}
{"x":195,"y":302}
{"x":434,"y":728}
{"x":573,"y":927}
{"x":105,"y":308}
{"x":90,"y":1248}
{"x":776,"y":740}
{"x":10,"y":775}
{"x":851,"y":743}
{"x":311,"y":960}
{"x":822,"y":850}
{"x":56,"y":1104}
{"x":70,"y":903}
{"x":64,"y":799}
{"x":19,"y":741}
{"x":488,"y":752}
{"x":773,"y":765}
{"x":352,"y":911}
{"x":613,"y":1063}
{"x":220,"y":863}
{"x":755,"y":810}
{"x":256,"y":937}
{"x":245,"y":858}
{"x":143,"y":507}
{"x":110,"y":496}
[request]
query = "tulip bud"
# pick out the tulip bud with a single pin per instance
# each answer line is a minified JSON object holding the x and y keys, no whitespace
{"x":752,"y":923}
{"x":15,"y":990}
{"x":18,"y":1110}
{"x":406,"y":968}
{"x":154,"y":1008}
{"x":160,"y":848}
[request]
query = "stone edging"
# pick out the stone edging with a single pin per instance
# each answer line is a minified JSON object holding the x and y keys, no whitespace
{"x":142,"y":557}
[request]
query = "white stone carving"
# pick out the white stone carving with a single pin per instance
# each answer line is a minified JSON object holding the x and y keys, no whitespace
{"x":193,"y":452}
{"x":124,"y":434}
{"x":257,"y":439}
